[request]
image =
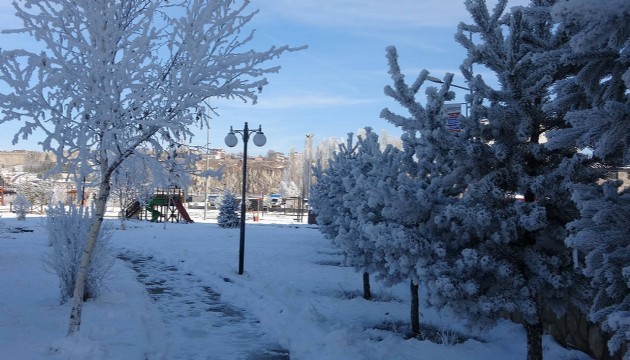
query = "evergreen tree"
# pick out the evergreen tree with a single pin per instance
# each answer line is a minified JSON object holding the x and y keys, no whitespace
{"x":595,"y":98}
{"x":388,"y":240}
{"x":356,"y":198}
{"x":228,"y":216}
{"x":332,"y":201}
{"x":502,"y":255}
{"x":426,"y":182}
{"x":601,"y":240}
{"x":327,"y":194}
{"x":593,"y":92}
{"x":373,"y":172}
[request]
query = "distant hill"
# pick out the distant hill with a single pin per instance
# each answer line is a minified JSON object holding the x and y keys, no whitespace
{"x":24,"y":158}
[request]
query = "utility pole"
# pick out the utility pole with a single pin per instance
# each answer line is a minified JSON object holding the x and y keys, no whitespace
{"x":205,"y":188}
{"x":306,"y":172}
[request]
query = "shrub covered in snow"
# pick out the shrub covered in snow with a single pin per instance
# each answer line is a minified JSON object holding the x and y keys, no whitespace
{"x":21,"y":206}
{"x":228,"y":218}
{"x":68,"y":230}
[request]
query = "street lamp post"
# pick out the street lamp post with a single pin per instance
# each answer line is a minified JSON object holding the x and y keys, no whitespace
{"x":231,"y":140}
{"x":436,"y":80}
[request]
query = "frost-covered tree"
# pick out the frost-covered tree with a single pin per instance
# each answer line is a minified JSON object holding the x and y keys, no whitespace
{"x":374,"y":172}
{"x":601,"y":238}
{"x":36,"y":192}
{"x":21,"y":206}
{"x":67,"y":235}
{"x":502,"y":255}
{"x":350,"y":237}
{"x":41,"y":167}
{"x":287,"y":188}
{"x":594,"y":95}
{"x":594,"y":91}
{"x":427,"y":181}
{"x":326,"y":149}
{"x":331,"y":201}
{"x":130,"y":182}
{"x":359,"y":201}
{"x":293,"y":171}
{"x":327,"y":194}
{"x":228,"y":216}
{"x":117,"y":74}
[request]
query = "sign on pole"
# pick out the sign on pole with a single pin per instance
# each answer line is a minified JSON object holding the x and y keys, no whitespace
{"x":453,"y":112}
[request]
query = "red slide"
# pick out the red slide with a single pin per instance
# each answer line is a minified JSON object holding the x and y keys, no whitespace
{"x":182,"y":210}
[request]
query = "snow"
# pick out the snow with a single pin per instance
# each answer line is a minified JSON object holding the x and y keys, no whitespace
{"x":294,"y":297}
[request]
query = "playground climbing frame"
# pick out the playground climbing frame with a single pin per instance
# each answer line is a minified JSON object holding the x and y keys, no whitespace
{"x":165,"y":205}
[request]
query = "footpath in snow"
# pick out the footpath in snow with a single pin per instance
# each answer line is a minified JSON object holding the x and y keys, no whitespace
{"x":193,"y":313}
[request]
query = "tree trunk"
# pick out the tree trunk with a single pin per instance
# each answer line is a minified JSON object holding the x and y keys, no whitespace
{"x":415,"y":310}
{"x":123,"y":210}
{"x":367,"y":291}
{"x":79,"y":287}
{"x":534,"y":340}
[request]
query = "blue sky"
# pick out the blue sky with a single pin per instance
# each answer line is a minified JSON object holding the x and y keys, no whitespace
{"x":336,"y":85}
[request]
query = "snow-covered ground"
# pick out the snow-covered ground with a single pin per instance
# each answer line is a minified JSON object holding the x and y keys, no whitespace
{"x":174,"y":293}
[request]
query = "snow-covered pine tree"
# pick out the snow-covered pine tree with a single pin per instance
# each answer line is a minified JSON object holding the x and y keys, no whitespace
{"x":327,"y":194}
{"x":118,"y":74}
{"x":593,"y":92}
{"x":228,"y":211}
{"x":331,"y":201}
{"x":370,"y":169}
{"x":349,"y":197}
{"x":387,"y":241}
{"x":349,"y":237}
{"x":412,"y":241}
{"x":504,"y":255}
{"x":600,"y":237}
{"x":594,"y":95}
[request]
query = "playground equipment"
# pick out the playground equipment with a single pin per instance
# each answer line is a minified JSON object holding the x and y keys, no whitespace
{"x":164,"y":206}
{"x":73,"y":196}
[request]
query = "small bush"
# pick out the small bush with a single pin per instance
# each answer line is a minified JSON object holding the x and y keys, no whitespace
{"x":436,"y":334}
{"x":22,"y":206}
{"x":67,"y":234}
{"x":228,"y":218}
